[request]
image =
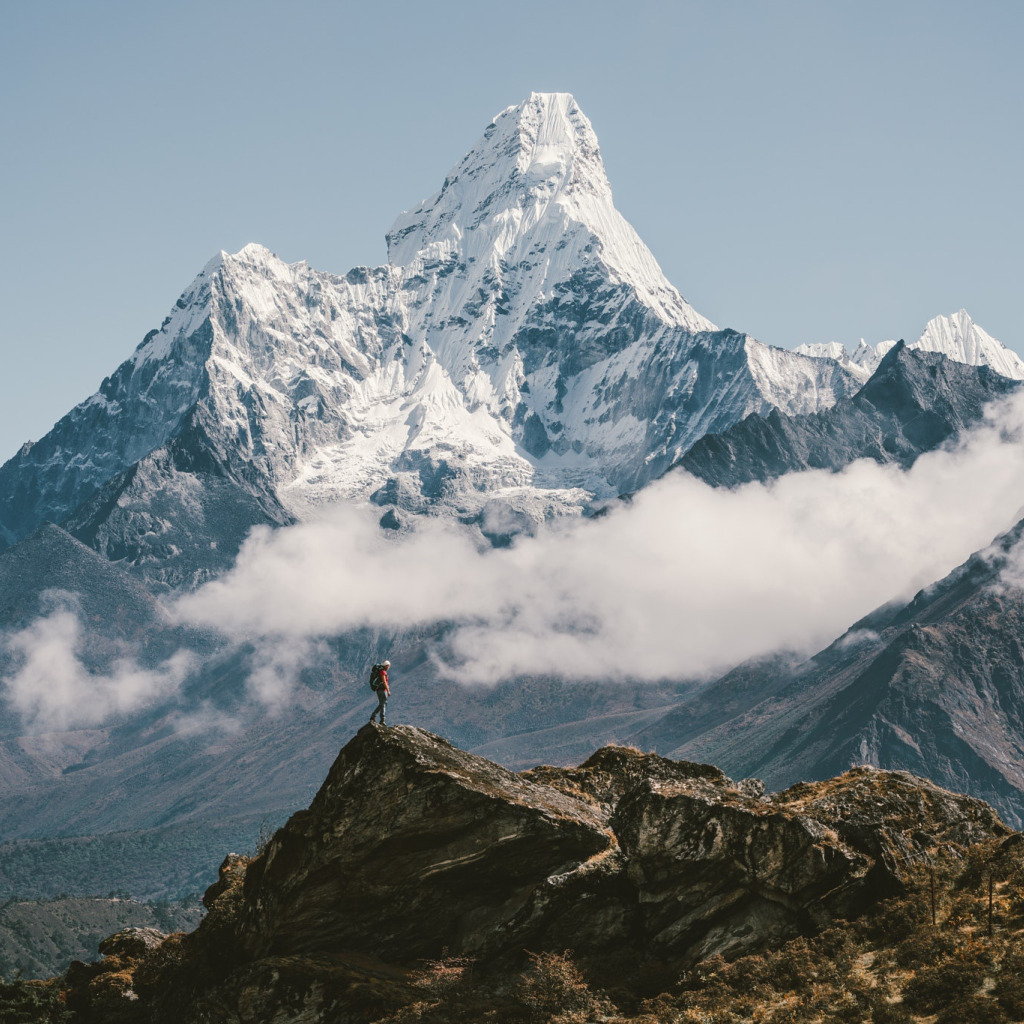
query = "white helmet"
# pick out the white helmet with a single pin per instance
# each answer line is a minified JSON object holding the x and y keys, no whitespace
{"x":386,"y":663}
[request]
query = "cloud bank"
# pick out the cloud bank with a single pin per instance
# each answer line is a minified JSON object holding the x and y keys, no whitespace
{"x":53,"y":691}
{"x":686,"y":581}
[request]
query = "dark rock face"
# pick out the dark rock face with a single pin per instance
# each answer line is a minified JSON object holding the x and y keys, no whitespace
{"x":415,"y":845}
{"x":413,"y":848}
{"x":913,"y":403}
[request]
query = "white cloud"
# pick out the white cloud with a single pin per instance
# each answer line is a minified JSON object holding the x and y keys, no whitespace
{"x":53,"y":691}
{"x":685,"y":581}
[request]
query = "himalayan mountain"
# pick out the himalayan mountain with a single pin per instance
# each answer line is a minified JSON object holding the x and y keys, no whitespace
{"x":520,"y":355}
{"x":519,"y":358}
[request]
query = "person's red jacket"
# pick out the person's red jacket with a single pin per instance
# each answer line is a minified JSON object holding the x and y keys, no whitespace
{"x":383,"y":677}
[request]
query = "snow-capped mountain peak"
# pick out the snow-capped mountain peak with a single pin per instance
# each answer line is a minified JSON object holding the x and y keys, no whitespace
{"x":959,"y":337}
{"x":521,"y":351}
{"x":537,"y":152}
{"x":530,"y":206}
{"x":531,"y":155}
{"x":955,"y":336}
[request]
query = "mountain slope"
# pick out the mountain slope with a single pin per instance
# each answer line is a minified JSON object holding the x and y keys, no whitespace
{"x":914,"y":402}
{"x":935,"y":686}
{"x":521,"y":347}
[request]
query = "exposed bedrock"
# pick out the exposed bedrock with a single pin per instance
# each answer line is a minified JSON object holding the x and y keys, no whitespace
{"x":414,"y":849}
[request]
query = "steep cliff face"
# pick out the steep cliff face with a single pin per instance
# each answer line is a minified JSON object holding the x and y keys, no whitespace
{"x":414,"y":849}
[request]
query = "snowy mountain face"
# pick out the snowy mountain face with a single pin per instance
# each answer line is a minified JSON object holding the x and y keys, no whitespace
{"x":521,"y":352}
{"x":956,"y":336}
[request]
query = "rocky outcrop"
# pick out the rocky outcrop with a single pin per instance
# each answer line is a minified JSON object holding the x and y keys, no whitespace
{"x":414,"y":849}
{"x":132,"y":942}
{"x":414,"y":846}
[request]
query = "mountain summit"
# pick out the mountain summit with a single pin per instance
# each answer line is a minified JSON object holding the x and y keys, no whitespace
{"x":520,"y":355}
{"x":532,"y":195}
{"x":956,"y":337}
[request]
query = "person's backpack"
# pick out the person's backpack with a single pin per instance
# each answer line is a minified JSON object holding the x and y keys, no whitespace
{"x":375,"y":677}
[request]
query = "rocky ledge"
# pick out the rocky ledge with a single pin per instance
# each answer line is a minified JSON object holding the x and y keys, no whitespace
{"x":414,"y":849}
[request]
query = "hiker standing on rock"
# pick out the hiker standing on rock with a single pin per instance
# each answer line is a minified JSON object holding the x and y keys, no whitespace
{"x":379,"y":685}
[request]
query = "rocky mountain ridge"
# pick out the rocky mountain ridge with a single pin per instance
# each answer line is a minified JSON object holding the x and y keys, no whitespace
{"x":520,"y":354}
{"x":955,"y":336}
{"x":413,"y":848}
{"x":915,"y":401}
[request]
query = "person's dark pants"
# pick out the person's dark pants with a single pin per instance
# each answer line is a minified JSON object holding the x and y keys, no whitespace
{"x":382,"y":703}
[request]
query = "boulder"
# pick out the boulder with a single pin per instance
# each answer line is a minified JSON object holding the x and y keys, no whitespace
{"x":132,"y":942}
{"x":410,"y":847}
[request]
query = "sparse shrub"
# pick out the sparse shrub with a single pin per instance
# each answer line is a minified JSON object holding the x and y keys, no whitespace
{"x":883,"y":1012}
{"x":847,"y":1012}
{"x":965,"y":910}
{"x":898,"y":919}
{"x":440,"y":977}
{"x":1009,"y":987}
{"x":971,"y":1010}
{"x":1015,"y":898}
{"x":693,"y":1015}
{"x":747,"y":975}
{"x":554,"y":985}
{"x":32,"y":1002}
{"x":792,"y":968}
{"x":932,"y":988}
{"x":835,"y":946}
{"x":790,"y":1012}
{"x":925,"y":947}
{"x":263,"y":838}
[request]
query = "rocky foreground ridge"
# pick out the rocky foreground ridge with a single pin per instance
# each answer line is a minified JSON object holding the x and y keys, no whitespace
{"x":415,"y":850}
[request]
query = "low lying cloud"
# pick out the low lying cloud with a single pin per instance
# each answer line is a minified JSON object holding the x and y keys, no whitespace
{"x":685,"y":581}
{"x":53,"y":691}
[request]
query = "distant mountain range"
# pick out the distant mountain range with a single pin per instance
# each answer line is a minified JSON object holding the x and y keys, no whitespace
{"x":519,"y":358}
{"x":914,"y":402}
{"x":957,"y":337}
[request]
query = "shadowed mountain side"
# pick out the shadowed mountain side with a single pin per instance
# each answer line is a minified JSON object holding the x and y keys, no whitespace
{"x":913,"y":403}
{"x":415,"y":849}
{"x":147,"y":864}
{"x":178,"y":516}
{"x":40,"y":938}
{"x":110,"y":600}
{"x":935,"y":687}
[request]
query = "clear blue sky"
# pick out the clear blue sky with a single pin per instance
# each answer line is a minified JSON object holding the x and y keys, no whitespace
{"x":804,"y":171}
